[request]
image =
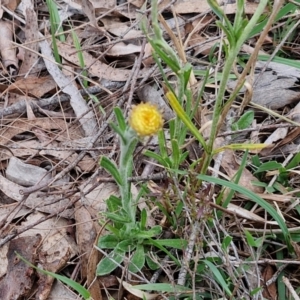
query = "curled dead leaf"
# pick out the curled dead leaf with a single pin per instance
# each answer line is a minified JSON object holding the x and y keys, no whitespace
{"x":7,"y":48}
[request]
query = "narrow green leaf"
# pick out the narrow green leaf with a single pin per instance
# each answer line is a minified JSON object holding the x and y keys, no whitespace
{"x":117,"y":217}
{"x":111,"y":168}
{"x":162,"y":144}
{"x":261,"y":202}
{"x":268,"y":166}
{"x":118,"y":130}
{"x":226,"y":242}
{"x":175,"y":153}
{"x":173,"y":243}
{"x":294,"y":162}
{"x":71,"y":283}
{"x":120,"y":118}
{"x":157,"y":157}
{"x":185,"y":119}
{"x":218,"y":276}
{"x":143,"y":219}
{"x":250,"y":239}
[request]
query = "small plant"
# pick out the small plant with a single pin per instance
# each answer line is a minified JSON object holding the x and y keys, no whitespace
{"x":55,"y":28}
{"x":128,"y":231}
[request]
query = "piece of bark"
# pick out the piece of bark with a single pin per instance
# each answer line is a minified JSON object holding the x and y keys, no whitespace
{"x":20,"y":276}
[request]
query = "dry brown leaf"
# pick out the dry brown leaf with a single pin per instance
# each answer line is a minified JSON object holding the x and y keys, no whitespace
{"x":244,"y":213}
{"x":147,"y":58}
{"x":138,"y":293}
{"x":96,"y":199}
{"x":94,"y":8}
{"x":85,"y":235}
{"x":11,"y":4}
{"x":39,"y":201}
{"x":28,"y":148}
{"x":92,"y":282}
{"x":57,"y":247}
{"x":33,"y":86}
{"x":19,"y":126}
{"x":231,"y":167}
{"x":202,"y":6}
{"x":137,"y":3}
{"x":186,"y":7}
{"x":293,"y":135}
{"x":123,"y":49}
{"x":45,"y":282}
{"x":270,"y":292}
{"x":29,"y":65}
{"x":84,"y":114}
{"x":118,"y":28}
{"x":7,"y":47}
{"x":97,"y":68}
{"x":9,"y":210}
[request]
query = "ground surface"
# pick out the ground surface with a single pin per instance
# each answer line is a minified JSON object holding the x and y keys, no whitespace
{"x":63,"y":73}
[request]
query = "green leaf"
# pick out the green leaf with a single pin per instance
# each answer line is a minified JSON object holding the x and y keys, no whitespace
{"x":108,"y":241}
{"x":138,"y":259}
{"x":256,"y":161}
{"x":157,"y":47}
{"x":120,"y":118}
{"x":173,"y":243}
{"x":218,"y":276}
{"x":294,"y":162}
{"x":226,"y":242}
{"x":129,"y":153}
{"x":186,"y":70}
{"x":285,"y":10}
{"x":261,"y":202}
{"x":162,"y":248}
{"x":113,"y":203}
{"x":255,"y":291}
{"x":80,"y":57}
{"x":117,"y":217}
{"x":143,"y":219}
{"x":162,"y":144}
{"x":151,"y":264}
{"x":110,"y":262}
{"x":152,"y":232}
{"x":71,"y":283}
{"x":179,"y":208}
{"x":185,"y":118}
{"x":244,"y":121}
{"x":268,"y":166}
{"x":111,"y":168}
{"x":251,"y":241}
{"x":175,"y":153}
{"x":157,"y":157}
{"x":118,"y":130}
{"x":126,"y":246}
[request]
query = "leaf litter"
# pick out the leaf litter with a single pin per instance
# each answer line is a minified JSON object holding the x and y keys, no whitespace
{"x":52,"y":189}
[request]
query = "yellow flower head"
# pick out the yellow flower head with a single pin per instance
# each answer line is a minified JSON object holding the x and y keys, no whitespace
{"x":146,"y":119}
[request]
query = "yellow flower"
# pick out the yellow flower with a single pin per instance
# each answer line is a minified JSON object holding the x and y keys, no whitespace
{"x":146,"y":119}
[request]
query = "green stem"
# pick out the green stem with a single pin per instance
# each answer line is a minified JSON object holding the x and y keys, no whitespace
{"x":125,"y":169}
{"x":232,"y":54}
